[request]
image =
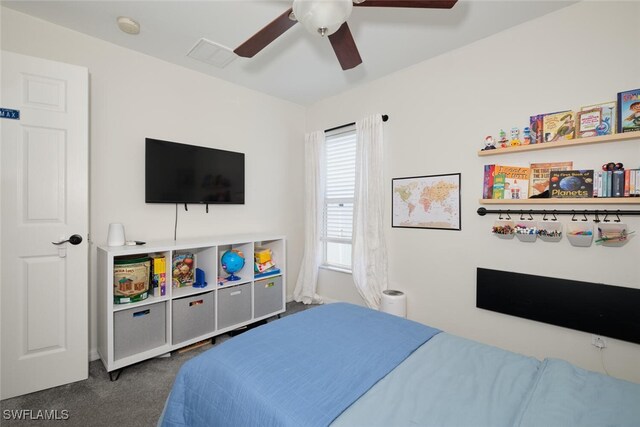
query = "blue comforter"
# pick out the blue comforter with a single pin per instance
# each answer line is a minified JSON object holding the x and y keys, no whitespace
{"x":303,"y":370}
{"x":456,"y":382}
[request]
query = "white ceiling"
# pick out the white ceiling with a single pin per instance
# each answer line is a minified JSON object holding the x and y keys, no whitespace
{"x":298,"y":66}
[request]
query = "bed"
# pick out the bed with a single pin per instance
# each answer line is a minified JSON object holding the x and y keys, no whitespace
{"x":345,"y":365}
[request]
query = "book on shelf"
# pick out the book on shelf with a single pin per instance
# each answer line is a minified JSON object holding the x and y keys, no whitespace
{"x":606,"y":184}
{"x":622,"y":183}
{"x":627,"y":183}
{"x":516,"y":181}
{"x":539,"y":176}
{"x":498,"y":186}
{"x":633,"y":186}
{"x":260,"y":267}
{"x":558,"y":126}
{"x":269,"y":272}
{"x":535,"y":126}
{"x":571,"y":184}
{"x":182,"y":268}
{"x":617,"y":183}
{"x":158,"y":275}
{"x":608,"y":120}
{"x":629,"y":111}
{"x":588,"y":122}
{"x":487,"y":186}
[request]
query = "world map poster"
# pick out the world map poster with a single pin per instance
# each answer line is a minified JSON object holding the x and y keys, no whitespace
{"x":426,"y":202}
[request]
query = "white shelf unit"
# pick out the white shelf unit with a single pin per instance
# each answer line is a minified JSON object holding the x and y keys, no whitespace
{"x":133,"y":332}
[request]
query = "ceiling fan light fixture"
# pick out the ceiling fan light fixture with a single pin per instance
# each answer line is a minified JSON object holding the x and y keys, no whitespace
{"x":322,"y":17}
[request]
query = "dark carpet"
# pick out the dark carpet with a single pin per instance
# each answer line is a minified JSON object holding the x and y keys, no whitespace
{"x":135,"y":399}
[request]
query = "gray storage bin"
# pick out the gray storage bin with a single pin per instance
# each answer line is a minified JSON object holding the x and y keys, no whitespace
{"x":267,"y":296}
{"x":234,"y":305}
{"x":192,"y":317}
{"x":139,"y":329}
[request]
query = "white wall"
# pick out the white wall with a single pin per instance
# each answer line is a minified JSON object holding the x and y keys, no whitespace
{"x":133,"y":96}
{"x":440,"y":110}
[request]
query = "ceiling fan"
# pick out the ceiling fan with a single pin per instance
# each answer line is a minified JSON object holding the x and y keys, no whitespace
{"x":328,"y":18}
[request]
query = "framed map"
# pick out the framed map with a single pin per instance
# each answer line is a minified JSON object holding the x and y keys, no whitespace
{"x":431,"y":201}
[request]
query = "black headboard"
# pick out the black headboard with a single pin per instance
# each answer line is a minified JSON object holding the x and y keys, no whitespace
{"x":607,"y":310}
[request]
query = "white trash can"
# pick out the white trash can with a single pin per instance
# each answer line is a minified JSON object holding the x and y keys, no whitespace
{"x":394,"y":302}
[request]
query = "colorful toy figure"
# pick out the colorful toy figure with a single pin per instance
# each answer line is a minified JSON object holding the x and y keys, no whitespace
{"x":489,"y":143}
{"x":503,"y":141}
{"x":515,"y":137}
{"x":613,"y":166}
{"x":526,"y":135}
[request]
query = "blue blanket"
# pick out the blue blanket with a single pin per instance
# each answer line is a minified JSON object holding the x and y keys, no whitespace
{"x":449,"y":381}
{"x":565,"y":395}
{"x":303,"y":370}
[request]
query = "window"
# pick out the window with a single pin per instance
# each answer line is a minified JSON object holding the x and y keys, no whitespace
{"x":337,"y":227}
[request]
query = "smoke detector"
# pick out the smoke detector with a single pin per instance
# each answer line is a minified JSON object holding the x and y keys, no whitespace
{"x":128,"y":25}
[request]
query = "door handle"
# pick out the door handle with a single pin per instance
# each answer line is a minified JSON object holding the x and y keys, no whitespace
{"x":76,"y":239}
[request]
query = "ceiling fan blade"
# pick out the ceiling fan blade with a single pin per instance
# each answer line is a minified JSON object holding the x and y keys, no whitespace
{"x":262,"y":38}
{"x":426,"y":4}
{"x":345,"y":48}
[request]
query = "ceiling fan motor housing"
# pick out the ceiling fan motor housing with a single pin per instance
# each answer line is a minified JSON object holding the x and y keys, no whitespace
{"x":322,"y":17}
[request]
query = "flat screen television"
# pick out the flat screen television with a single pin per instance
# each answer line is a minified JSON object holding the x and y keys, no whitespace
{"x":181,"y":173}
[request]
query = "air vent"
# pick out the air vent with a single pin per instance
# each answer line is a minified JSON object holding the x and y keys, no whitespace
{"x":212,"y":53}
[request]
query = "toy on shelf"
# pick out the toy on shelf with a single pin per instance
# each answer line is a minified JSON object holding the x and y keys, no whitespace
{"x":489,"y":143}
{"x":200,"y":279}
{"x":232,"y":261}
{"x":264,"y":264}
{"x":526,"y":136}
{"x":503,"y":141}
{"x":613,"y":166}
{"x":515,"y":137}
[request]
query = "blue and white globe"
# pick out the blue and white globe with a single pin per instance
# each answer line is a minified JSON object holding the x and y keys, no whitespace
{"x":232,"y":261}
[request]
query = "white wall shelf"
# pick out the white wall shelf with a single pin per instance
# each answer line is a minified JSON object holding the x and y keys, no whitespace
{"x":567,"y":201}
{"x":131,"y":333}
{"x":618,"y":137}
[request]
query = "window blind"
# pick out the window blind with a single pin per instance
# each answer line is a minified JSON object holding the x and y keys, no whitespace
{"x":340,"y":185}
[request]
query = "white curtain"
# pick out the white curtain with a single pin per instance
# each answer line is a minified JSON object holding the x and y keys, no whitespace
{"x":369,"y":256}
{"x":305,"y":290}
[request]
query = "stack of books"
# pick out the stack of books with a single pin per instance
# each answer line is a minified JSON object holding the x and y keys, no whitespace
{"x":264,"y":265}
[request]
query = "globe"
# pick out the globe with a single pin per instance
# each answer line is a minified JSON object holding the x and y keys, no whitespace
{"x":570,"y":183}
{"x":232,"y":261}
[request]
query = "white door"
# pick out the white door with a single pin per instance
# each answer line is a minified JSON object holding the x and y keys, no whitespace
{"x":43,"y":287}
